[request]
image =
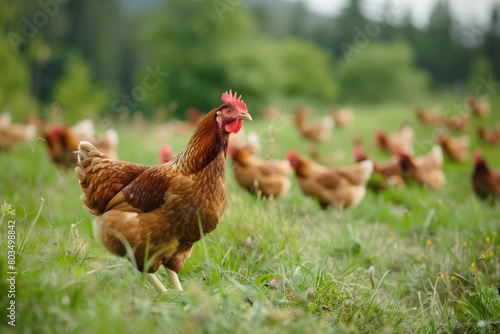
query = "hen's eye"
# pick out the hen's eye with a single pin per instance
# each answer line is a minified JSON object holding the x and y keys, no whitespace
{"x":228,"y":111}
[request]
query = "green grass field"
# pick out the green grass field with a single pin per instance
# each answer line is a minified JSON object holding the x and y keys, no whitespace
{"x":404,"y":261}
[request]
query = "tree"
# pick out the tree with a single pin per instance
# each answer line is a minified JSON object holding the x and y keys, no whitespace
{"x":14,"y":64}
{"x":208,"y":54}
{"x":491,"y":44}
{"x":343,"y":29}
{"x":381,"y":72}
{"x":299,"y":20}
{"x":438,"y":47}
{"x":75,"y":92}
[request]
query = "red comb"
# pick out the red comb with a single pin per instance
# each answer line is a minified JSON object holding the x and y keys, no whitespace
{"x":398,"y":151}
{"x":291,"y":155}
{"x":165,"y":149}
{"x":477,"y":156}
{"x":358,"y":150}
{"x":234,"y":99}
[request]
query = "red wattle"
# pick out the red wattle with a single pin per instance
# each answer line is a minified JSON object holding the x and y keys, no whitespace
{"x":234,"y":126}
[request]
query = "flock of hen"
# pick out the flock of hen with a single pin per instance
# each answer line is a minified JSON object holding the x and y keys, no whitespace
{"x":161,"y":211}
{"x":339,"y":187}
{"x":344,"y":187}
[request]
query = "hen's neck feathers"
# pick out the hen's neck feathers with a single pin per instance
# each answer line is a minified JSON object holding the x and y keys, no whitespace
{"x":205,"y":145}
{"x":482,"y":167}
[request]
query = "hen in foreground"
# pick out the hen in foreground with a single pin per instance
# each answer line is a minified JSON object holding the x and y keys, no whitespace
{"x":158,"y":213}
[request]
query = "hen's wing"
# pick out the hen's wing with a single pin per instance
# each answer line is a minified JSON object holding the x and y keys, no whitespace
{"x":272,"y":167}
{"x":357,"y":174}
{"x":145,"y":192}
{"x":102,"y":178}
{"x":329,"y":179}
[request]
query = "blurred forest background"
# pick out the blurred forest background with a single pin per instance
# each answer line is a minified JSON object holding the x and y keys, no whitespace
{"x":119,"y":57}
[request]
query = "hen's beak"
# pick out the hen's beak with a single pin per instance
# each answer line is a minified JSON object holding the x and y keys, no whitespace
{"x":245,"y":116}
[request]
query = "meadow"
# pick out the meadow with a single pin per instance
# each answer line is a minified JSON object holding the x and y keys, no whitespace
{"x":404,"y":261}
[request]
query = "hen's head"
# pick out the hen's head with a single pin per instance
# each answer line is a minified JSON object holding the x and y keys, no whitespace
{"x":292,"y":158}
{"x":478,"y":157}
{"x":231,"y":114}
{"x":359,"y":153}
{"x":165,"y":154}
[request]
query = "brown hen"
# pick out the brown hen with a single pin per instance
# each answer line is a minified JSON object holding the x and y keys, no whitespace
{"x":341,"y":188}
{"x":489,"y":136}
{"x":12,"y":134}
{"x":485,"y":182}
{"x":269,"y":178}
{"x":158,"y":213}
{"x":401,"y":140}
{"x":425,"y":169}
{"x":316,"y":132}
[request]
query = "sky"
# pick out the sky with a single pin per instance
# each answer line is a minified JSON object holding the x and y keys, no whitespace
{"x":471,"y":11}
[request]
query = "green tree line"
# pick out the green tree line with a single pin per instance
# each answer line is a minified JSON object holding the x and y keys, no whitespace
{"x":119,"y":57}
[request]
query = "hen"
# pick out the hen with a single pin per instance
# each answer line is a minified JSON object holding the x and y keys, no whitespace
{"x":165,"y":154}
{"x":13,"y":135}
{"x":431,"y":117}
{"x":426,"y":169}
{"x":341,"y":188}
{"x":491,"y":136}
{"x":389,"y":171}
{"x":485,"y":182}
{"x":317,"y":132}
{"x":270,"y":178}
{"x":342,"y":116}
{"x":457,"y":122}
{"x":401,"y":140}
{"x":160,"y":212}
{"x":481,"y":107}
{"x":455,"y":148}
{"x":62,"y":141}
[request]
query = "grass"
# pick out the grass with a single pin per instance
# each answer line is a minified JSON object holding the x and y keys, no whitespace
{"x":404,"y":261}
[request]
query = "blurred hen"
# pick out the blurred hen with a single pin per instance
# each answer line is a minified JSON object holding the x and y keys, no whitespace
{"x":316,"y":132}
{"x":342,"y":187}
{"x":270,"y":178}
{"x":13,"y":135}
{"x":489,"y":136}
{"x":455,"y":148}
{"x":426,"y":169}
{"x":485,"y":182}
{"x":401,"y":140}
{"x":62,"y":141}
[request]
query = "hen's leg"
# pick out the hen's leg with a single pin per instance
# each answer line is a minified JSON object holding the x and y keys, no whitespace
{"x":174,"y":279}
{"x":155,"y":282}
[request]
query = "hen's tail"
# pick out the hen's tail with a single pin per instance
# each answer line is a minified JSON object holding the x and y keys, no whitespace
{"x":102,"y":178}
{"x":85,"y":154}
{"x":89,"y":156}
